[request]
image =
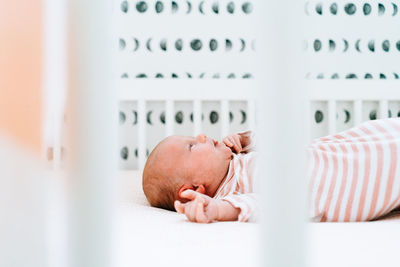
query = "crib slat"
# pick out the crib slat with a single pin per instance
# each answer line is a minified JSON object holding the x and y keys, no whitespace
{"x":224,"y":118}
{"x":197,"y":117}
{"x":141,"y":133}
{"x":383,"y":109}
{"x":332,"y":116}
{"x":169,"y":117}
{"x":357,"y":104}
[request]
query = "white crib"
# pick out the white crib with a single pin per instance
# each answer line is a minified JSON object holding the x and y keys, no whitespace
{"x":180,"y":60}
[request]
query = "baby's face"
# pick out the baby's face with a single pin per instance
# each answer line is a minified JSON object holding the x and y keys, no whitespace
{"x":201,"y":158}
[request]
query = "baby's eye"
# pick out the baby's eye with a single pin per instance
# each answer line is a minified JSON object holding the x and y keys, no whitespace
{"x":190,"y":146}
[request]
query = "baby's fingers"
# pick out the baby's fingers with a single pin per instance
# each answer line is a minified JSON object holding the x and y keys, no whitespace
{"x":200,"y":215}
{"x":238,"y":145}
{"x":179,"y":206}
{"x":227,"y":142}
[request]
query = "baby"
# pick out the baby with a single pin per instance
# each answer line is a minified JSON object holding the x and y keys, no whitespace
{"x":202,"y":178}
{"x":353,"y":175}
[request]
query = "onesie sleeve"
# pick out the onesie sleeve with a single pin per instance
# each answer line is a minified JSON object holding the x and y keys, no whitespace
{"x":248,"y":205}
{"x":248,"y":139}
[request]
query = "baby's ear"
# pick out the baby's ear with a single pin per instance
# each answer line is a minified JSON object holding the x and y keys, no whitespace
{"x":201,"y":189}
{"x":184,"y":188}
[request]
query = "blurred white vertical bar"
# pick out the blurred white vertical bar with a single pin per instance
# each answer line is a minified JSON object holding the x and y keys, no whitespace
{"x":54,"y":83}
{"x":283,"y":128}
{"x":54,"y":71}
{"x":142,"y":133}
{"x":383,"y":109}
{"x":197,"y":116}
{"x":357,"y":104}
{"x":251,"y":111}
{"x":169,"y":117}
{"x":331,"y":116}
{"x":92,"y":119}
{"x":224,"y":118}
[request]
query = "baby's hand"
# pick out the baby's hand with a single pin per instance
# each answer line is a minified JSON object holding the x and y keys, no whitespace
{"x":201,"y":208}
{"x":234,"y":142}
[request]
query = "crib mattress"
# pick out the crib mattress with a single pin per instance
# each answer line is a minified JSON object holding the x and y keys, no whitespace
{"x":150,"y":236}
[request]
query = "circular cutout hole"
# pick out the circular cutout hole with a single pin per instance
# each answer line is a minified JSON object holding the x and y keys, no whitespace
{"x":159,"y":75}
{"x":135,"y":117}
{"x":162,"y":117}
{"x":215,"y":7}
{"x":174,"y":7}
{"x":348,"y":116}
{"x":231,"y":76}
{"x":247,"y":7}
{"x":320,"y":76}
{"x":124,"y":6}
{"x":196,"y":44}
{"x":333,"y":8}
{"x":213,"y":44}
{"x":174,"y":75}
{"x":350,"y":8}
{"x":122,"y":117}
{"x":372,"y":115}
{"x":141,"y":6}
{"x":382,"y":76}
{"x":351,"y":76}
{"x":381,"y":9}
{"x":318,"y":116}
{"x":368,"y":76}
{"x":122,"y":44}
{"x":124,"y":76}
{"x":318,"y":8}
{"x":317,"y":45}
{"x":159,"y":7}
{"x":214,"y":117}
{"x":179,"y":117}
{"x":371,"y":46}
{"x":335,"y":76}
{"x":163,"y":45}
{"x":230,"y":7}
{"x":332,"y":45}
{"x":228,"y":45}
{"x":141,"y":75}
{"x":367,"y":9}
{"x":124,"y":153}
{"x":386,"y":45}
{"x":179,"y":44}
{"x":398,"y":45}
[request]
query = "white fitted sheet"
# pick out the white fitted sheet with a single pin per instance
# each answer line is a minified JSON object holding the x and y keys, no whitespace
{"x":149,"y":236}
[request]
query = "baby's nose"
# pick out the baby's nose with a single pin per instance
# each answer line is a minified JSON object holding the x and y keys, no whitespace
{"x":202,"y":138}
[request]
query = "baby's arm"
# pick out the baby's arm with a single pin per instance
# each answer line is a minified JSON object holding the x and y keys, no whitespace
{"x":242,"y":142}
{"x":204,"y":209}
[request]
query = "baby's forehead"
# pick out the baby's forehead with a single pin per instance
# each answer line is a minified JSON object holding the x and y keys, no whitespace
{"x":174,"y":143}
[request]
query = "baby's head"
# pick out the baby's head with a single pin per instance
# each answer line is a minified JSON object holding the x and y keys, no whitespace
{"x":179,"y":163}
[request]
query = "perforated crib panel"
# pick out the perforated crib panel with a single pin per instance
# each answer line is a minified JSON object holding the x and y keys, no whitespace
{"x":184,"y":67}
{"x":353,"y":53}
